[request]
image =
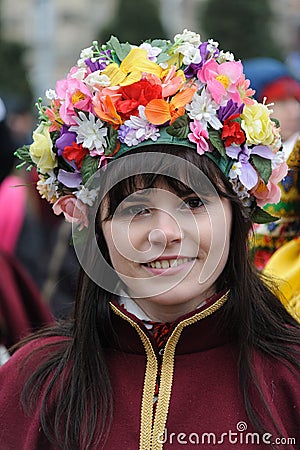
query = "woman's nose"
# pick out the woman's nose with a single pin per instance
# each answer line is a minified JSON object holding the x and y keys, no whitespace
{"x":166,"y":229}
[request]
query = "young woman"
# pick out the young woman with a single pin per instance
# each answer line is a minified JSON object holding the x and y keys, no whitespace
{"x":175,"y":339}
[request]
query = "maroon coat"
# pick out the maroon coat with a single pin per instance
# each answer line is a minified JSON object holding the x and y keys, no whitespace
{"x":199,"y":404}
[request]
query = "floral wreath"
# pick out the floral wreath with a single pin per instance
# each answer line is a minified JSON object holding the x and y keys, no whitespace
{"x":120,"y":96}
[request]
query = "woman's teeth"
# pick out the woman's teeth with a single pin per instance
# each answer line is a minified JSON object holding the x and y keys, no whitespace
{"x":167,"y":263}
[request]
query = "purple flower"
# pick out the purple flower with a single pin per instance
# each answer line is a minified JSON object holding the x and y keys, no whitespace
{"x":100,"y":63}
{"x":248,"y":175}
{"x":69,"y":179}
{"x":231,"y":108}
{"x":192,"y":69}
{"x":66,"y":138}
{"x":122,"y":132}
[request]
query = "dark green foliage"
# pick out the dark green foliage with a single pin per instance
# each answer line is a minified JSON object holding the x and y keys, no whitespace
{"x":243,"y":27}
{"x":134,"y":22}
{"x":14,"y":82}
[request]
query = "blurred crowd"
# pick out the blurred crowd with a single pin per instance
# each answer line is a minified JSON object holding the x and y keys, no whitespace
{"x":38,"y":266}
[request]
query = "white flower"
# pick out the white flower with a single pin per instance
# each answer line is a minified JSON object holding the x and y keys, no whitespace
{"x":212,"y":45}
{"x":278,"y":159}
{"x":90,"y":132}
{"x":241,"y":191}
{"x":204,"y":109}
{"x":225,"y":56}
{"x":140,"y":129}
{"x":153,"y":52}
{"x":235,"y":170}
{"x":188,"y":36}
{"x":47,"y":187}
{"x":96,"y":79}
{"x":51,"y":94}
{"x":86,"y":53}
{"x":87,"y":196}
{"x":79,"y":74}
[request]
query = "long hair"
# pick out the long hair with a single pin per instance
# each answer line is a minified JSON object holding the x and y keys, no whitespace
{"x":76,"y":367}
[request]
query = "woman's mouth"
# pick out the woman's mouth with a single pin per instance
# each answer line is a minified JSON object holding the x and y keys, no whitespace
{"x":167,"y":266}
{"x":168,"y":263}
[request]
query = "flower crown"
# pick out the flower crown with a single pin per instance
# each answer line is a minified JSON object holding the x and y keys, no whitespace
{"x":120,"y":96}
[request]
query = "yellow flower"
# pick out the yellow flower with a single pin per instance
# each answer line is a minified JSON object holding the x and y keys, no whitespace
{"x":257,"y":124}
{"x":41,"y":149}
{"x":131,"y":68}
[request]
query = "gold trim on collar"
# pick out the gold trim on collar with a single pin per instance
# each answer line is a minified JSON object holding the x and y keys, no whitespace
{"x":149,"y":434}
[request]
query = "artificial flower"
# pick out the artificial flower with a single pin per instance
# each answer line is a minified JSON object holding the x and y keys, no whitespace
{"x":152,"y":52}
{"x":204,"y":109}
{"x":41,"y":151}
{"x":131,"y":68}
{"x":222,"y":79}
{"x":95,"y":80}
{"x":53,"y":115}
{"x":138,"y":129}
{"x":65,"y":139}
{"x":75,"y":152}
{"x":270,"y":192}
{"x":75,"y":95}
{"x":232,"y":132}
{"x":106,"y":110}
{"x":48,"y":187}
{"x":119,"y":95}
{"x":160,"y":111}
{"x":248,"y":174}
{"x":257,"y":124}
{"x":131,"y":97}
{"x":90,"y":132}
{"x":199,"y":136}
{"x":87,"y":196}
{"x":74,"y":210}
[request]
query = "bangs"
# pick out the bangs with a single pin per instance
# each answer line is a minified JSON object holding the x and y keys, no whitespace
{"x":206,"y":180}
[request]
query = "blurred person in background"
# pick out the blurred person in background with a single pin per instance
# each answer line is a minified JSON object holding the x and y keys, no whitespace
{"x":33,"y":234}
{"x":273,"y":82}
{"x":22,"y":308}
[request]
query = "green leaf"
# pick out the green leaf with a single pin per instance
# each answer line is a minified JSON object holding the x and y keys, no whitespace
{"x":276,"y":121}
{"x":180,"y":127}
{"x":263,"y":166}
{"x":23,"y":154}
{"x":261,"y":216}
{"x":162,"y":57}
{"x":121,"y":50}
{"x":112,"y":140}
{"x":216,"y":140}
{"x":89,"y":167}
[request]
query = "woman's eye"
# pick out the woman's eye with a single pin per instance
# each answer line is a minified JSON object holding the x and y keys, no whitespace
{"x":136,"y":210}
{"x":193,"y":203}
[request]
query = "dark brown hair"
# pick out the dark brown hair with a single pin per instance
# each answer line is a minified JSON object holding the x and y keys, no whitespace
{"x":78,"y":373}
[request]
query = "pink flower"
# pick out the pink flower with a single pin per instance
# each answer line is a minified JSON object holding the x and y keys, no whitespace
{"x":199,"y":136}
{"x":270,"y":193}
{"x":74,"y":210}
{"x":222,"y":79}
{"x":243,"y":87}
{"x":73,"y":94}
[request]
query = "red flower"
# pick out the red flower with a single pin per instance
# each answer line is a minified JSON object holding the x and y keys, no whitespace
{"x":139,"y":93}
{"x":75,"y":152}
{"x":232,"y":132}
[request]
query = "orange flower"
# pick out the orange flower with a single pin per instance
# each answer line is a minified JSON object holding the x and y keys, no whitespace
{"x":159,"y":111}
{"x":105,"y":109}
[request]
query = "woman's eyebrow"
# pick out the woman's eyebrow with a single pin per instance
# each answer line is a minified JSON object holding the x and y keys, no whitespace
{"x":136,"y":197}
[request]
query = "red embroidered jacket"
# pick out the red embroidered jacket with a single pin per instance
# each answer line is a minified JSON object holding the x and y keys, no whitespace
{"x":199,"y":403}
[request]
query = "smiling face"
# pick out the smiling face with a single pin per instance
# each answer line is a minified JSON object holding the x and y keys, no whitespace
{"x":169,"y":249}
